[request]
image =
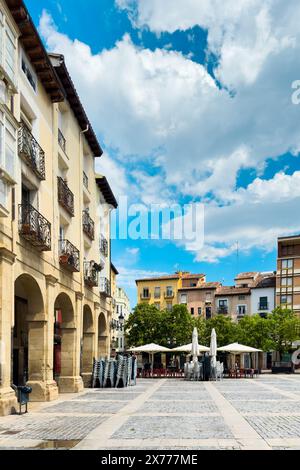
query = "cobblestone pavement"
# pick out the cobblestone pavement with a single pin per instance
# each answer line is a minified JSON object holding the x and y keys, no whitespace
{"x":262,"y":413}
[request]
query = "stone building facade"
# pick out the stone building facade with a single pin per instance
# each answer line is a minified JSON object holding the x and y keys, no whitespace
{"x":55,"y":304}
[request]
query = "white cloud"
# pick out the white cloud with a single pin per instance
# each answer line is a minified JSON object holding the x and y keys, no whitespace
{"x":115,"y":173}
{"x":254,"y":218}
{"x":163,"y":106}
{"x":133,"y":251}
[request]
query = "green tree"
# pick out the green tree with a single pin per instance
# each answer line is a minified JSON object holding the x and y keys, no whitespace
{"x":144,"y":325}
{"x":284,"y":328}
{"x":177,"y":326}
{"x":254,"y":331}
{"x":225,"y":330}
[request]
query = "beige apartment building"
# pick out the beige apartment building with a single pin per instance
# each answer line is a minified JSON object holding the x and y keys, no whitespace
{"x":55,"y":304}
{"x":288,"y":273}
{"x":163,"y":291}
{"x":199,"y":299}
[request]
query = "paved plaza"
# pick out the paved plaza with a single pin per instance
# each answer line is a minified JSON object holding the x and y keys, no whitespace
{"x":262,"y":413}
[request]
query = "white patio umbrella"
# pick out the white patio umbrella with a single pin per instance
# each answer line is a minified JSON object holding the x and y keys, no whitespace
{"x":187,"y":348}
{"x":195,"y":345}
{"x":151,"y":348}
{"x":213,"y":348}
{"x":238,"y":348}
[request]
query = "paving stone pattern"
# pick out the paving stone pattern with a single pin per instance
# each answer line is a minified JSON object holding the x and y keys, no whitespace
{"x":166,"y":414}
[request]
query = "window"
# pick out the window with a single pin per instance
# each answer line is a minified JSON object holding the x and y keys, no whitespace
{"x":10,"y":53}
{"x":241,"y":297}
{"x":30,"y":75}
{"x":8,"y":148}
{"x":223,"y":303}
{"x":169,"y":291}
{"x":157,"y":292}
{"x":287,"y":264}
{"x":287,"y":250}
{"x":146,"y":293}
{"x":286,"y":299}
{"x":183,"y":298}
{"x":287,"y":281}
{"x":241,"y":310}
{"x":3,"y":194}
{"x":199,"y":311}
{"x":193,"y":284}
{"x":192,"y":311}
{"x":208,"y":313}
{"x":263,"y":303}
{"x":169,"y":306}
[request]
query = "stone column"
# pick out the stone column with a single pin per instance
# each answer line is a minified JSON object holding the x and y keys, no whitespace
{"x":8,"y":401}
{"x":70,"y":379}
{"x":87,"y":358}
{"x":40,"y":353}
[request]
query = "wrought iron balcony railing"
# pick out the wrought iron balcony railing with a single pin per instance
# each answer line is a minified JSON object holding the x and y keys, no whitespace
{"x":34,"y":227}
{"x":104,"y":286}
{"x":91,"y":273}
{"x":65,"y":196}
{"x":103,"y":246}
{"x":69,"y":256}
{"x":223,"y":310}
{"x":263,"y":306}
{"x":31,"y":152}
{"x":62,"y":140}
{"x":88,"y":225}
{"x":85,"y":180}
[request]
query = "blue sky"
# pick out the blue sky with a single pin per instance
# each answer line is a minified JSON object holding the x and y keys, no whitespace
{"x":191,"y":102}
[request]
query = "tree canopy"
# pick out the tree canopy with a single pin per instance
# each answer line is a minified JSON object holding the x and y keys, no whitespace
{"x":173,"y":327}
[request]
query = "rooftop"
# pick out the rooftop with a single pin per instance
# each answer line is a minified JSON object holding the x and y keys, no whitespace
{"x":203,"y":286}
{"x":232,"y":290}
{"x":265,"y":281}
{"x":106,"y":190}
{"x":247,"y":275}
{"x":60,"y":67}
{"x":36,"y":51}
{"x":159,"y":278}
{"x":192,"y":276}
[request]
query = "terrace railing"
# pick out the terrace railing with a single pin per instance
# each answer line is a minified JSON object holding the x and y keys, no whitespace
{"x":34,"y":227}
{"x":31,"y":152}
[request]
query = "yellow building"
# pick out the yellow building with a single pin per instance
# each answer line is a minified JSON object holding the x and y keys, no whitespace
{"x":162,"y":291}
{"x":55,"y":304}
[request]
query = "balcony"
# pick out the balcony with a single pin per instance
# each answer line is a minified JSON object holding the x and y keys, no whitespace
{"x":88,"y":225}
{"x":69,"y":256}
{"x":62,"y":140}
{"x":145,"y":296}
{"x":223,"y":310}
{"x":31,"y":152}
{"x":91,"y":273}
{"x":264,"y":306}
{"x":34,"y":227}
{"x":65,"y":196}
{"x":169,"y":295}
{"x":103,"y":246}
{"x":104,"y":287}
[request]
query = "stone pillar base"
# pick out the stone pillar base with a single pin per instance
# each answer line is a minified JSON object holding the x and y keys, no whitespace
{"x":70,"y":384}
{"x":87,"y":379}
{"x":43,"y":391}
{"x":8,"y":402}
